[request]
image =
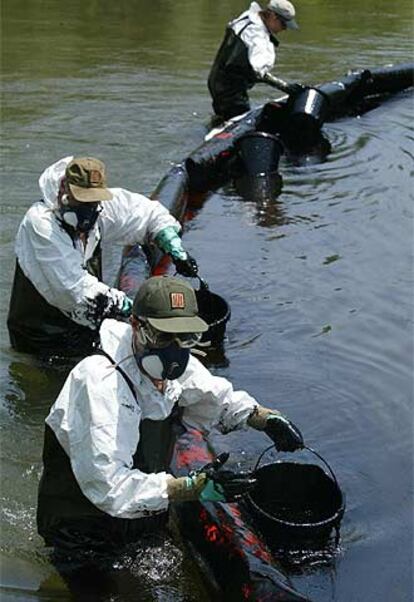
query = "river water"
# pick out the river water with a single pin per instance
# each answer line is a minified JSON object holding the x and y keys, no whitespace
{"x":321,"y":287}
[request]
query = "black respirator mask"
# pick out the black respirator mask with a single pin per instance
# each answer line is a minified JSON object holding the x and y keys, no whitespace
{"x":165,"y":363}
{"x":82,"y":217}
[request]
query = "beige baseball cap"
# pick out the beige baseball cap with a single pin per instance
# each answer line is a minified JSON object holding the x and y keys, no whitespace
{"x":86,"y":179}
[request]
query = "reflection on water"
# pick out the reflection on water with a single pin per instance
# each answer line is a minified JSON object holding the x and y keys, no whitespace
{"x":33,"y":387}
{"x":316,"y":153}
{"x":269,"y":211}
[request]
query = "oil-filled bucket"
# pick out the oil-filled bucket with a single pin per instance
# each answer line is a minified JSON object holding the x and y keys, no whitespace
{"x":214,"y":310}
{"x":259,"y":152}
{"x":295,"y":503}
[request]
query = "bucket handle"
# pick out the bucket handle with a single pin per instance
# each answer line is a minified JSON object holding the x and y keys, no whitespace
{"x":203,"y":284}
{"x":304,"y":447}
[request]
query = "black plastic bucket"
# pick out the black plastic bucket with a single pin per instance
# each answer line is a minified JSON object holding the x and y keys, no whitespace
{"x":296,"y":503}
{"x":259,"y":152}
{"x":310,"y":105}
{"x":214,"y":310}
{"x":307,"y":114}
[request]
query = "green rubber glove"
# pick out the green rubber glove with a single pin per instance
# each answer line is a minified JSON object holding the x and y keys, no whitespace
{"x":127,"y":307}
{"x":169,"y":241}
{"x":212,"y":492}
{"x":210,"y":486}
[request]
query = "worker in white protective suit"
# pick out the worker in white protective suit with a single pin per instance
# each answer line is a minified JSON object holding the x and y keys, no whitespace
{"x":108,"y":436}
{"x":247,"y":55}
{"x":59,"y":244}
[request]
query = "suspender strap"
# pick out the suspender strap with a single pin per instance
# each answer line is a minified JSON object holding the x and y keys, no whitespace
{"x":156,"y":438}
{"x":122,"y":372}
{"x":243,"y":28}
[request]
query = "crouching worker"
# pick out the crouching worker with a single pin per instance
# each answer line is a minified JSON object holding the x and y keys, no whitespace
{"x":59,"y":298}
{"x":108,"y":437}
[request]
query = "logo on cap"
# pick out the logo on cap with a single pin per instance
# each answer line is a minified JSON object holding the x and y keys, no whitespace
{"x":177,"y":300}
{"x":95,"y":177}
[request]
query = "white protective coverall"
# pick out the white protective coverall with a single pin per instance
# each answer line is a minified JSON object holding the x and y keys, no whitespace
{"x":256,"y":37}
{"x":56,"y":264}
{"x":96,"y":420}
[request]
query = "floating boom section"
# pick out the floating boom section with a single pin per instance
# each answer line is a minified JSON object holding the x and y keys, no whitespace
{"x":358,"y":89}
{"x":217,"y":160}
{"x":296,"y":121}
{"x":234,"y":555}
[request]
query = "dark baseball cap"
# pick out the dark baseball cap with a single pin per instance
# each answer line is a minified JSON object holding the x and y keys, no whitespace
{"x":86,"y":179}
{"x":169,"y":304}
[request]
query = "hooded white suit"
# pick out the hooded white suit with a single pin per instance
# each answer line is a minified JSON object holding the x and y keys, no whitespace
{"x":58,"y":264}
{"x":96,"y":421}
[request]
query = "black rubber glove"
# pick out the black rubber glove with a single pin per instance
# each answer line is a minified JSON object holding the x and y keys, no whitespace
{"x":295,"y":89}
{"x":211,"y":483}
{"x":230,"y":485}
{"x":292,"y":89}
{"x":285,"y":435}
{"x":186,"y":267}
{"x":224,"y":485}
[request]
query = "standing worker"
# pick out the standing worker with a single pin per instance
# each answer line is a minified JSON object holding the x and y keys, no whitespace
{"x":59,"y":298}
{"x":109,"y":435}
{"x":246,"y":56}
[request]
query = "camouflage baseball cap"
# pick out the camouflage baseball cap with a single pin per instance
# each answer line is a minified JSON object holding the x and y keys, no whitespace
{"x":86,"y":180}
{"x":169,"y":304}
